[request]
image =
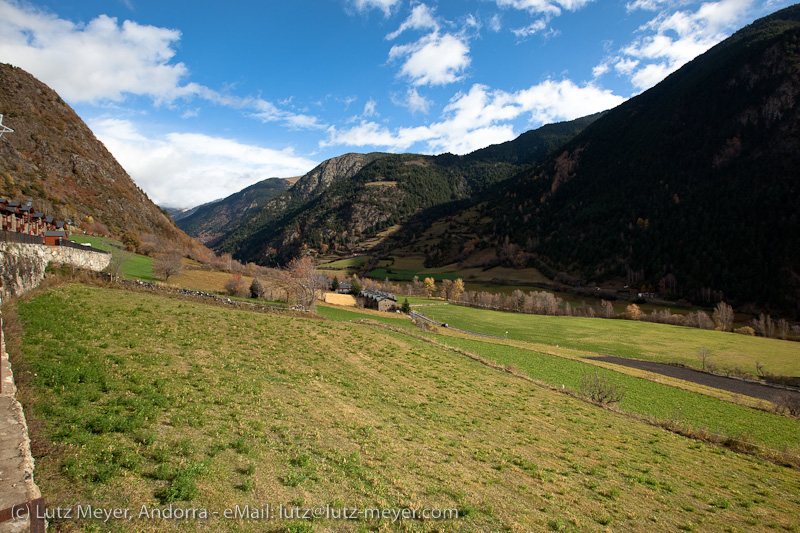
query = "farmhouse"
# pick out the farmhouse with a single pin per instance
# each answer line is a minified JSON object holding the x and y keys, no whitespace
{"x":344,"y":287}
{"x":382,"y":301}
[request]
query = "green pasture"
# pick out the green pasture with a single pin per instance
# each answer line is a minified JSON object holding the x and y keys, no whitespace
{"x":140,"y":399}
{"x":626,"y":338}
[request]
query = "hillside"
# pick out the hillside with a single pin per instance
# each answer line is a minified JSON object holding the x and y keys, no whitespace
{"x":345,"y":212}
{"x":215,"y":219}
{"x":690,"y":189}
{"x":129,"y":407}
{"x":53,"y":158}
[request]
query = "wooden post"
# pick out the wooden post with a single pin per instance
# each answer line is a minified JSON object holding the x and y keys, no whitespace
{"x":35,"y":509}
{"x":36,"y":515}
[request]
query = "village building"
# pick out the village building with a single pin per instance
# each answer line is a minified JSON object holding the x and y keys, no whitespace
{"x":21,"y":218}
{"x":344,"y":287}
{"x":382,"y":301}
{"x":54,"y":238}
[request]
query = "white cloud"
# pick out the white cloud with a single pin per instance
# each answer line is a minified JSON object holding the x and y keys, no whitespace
{"x":188,"y":169}
{"x":107,"y":61}
{"x":494,"y":23}
{"x":600,"y":70}
{"x":370,"y":108}
{"x":384,"y":5}
{"x":421,"y":18}
{"x":531,"y":29}
{"x":626,"y":66}
{"x":433,"y":60}
{"x":481,"y":117}
{"x":549,"y":7}
{"x":413,"y":101}
{"x":546,"y":10}
{"x":675,"y":36}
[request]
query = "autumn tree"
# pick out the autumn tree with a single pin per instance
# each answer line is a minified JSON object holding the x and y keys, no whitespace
{"x":235,"y":285}
{"x":457,"y":289}
{"x":633,"y":312}
{"x":723,"y":316}
{"x":167,"y":265}
{"x":429,"y":286}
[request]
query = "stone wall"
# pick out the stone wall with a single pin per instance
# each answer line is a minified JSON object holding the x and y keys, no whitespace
{"x":22,"y":266}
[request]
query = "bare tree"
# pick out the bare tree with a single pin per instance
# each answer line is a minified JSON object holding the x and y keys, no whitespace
{"x":723,"y":316}
{"x":608,"y":308}
{"x":167,"y":265}
{"x":118,"y":258}
{"x":705,"y":358}
{"x":305,"y":281}
{"x":764,"y":325}
{"x":783,"y":328}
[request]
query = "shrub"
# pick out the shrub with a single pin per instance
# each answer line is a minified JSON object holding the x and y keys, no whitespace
{"x":633,"y":312}
{"x":745,"y":330}
{"x":788,"y":403}
{"x":235,"y":286}
{"x":599,"y":390}
{"x":256,"y":289}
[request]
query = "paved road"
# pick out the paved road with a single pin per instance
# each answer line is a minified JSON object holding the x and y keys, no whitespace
{"x":739,"y":386}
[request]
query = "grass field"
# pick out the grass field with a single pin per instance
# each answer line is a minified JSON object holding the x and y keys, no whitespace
{"x":350,"y":262}
{"x":194,"y":276}
{"x":135,"y":267}
{"x":137,"y":399}
{"x":641,"y":340}
{"x":686,"y":408}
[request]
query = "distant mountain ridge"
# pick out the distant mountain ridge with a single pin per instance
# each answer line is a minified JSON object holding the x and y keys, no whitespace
{"x":212,"y":220}
{"x":347,"y":200}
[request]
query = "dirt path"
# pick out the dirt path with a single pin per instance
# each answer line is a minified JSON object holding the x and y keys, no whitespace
{"x":739,"y":386}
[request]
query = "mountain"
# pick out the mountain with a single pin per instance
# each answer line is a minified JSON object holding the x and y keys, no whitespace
{"x":691,"y":188}
{"x":344,"y":204}
{"x":215,"y":219}
{"x":53,"y":158}
{"x":305,"y":189}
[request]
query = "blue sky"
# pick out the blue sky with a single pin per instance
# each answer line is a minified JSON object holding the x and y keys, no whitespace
{"x":200,"y":99}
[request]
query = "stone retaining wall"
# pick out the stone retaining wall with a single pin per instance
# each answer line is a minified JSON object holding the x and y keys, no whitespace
{"x":22,"y":266}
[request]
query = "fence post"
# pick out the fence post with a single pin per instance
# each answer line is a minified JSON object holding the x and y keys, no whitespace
{"x":36,"y":516}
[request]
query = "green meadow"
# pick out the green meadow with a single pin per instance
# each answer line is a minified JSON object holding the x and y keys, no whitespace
{"x":626,"y":338}
{"x":135,"y":266}
{"x":136,"y":398}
